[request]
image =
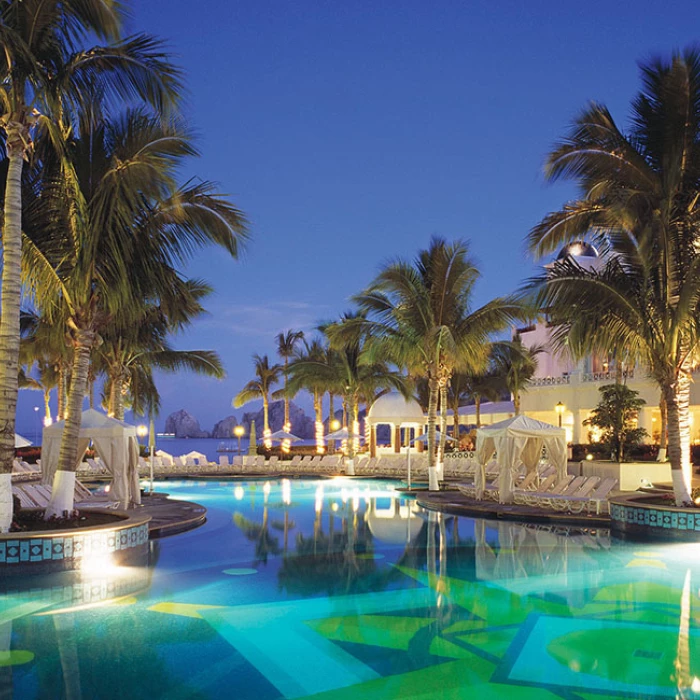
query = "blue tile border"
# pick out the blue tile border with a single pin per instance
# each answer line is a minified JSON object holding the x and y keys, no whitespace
{"x":630,"y":514}
{"x":67,"y":550}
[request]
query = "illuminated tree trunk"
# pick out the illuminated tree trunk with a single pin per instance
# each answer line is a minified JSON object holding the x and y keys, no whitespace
{"x":433,"y":388}
{"x":663,"y":438}
{"x":318,"y":411}
{"x":62,"y":492}
{"x":61,"y":409}
{"x":677,"y":398}
{"x":9,"y":315}
{"x":266,"y":422}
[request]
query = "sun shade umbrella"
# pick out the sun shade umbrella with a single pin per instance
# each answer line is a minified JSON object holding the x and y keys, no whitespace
{"x":282,"y":435}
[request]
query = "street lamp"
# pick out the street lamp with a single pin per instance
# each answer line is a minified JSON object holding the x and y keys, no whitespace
{"x":38,"y":429}
{"x":239,"y":431}
{"x":560,"y":408}
{"x":142,"y":431}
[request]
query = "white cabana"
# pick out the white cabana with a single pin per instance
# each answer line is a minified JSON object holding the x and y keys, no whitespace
{"x":518,"y":441}
{"x":399,"y":414}
{"x":116,"y":444}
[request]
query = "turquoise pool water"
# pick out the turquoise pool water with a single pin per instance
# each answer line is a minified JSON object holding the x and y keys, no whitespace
{"x":340,"y":589}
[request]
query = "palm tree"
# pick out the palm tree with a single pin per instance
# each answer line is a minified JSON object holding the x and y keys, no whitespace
{"x":515,"y":364}
{"x":130,"y":353}
{"x":259,"y":388}
{"x":105,"y":238}
{"x":43,"y":73}
{"x":309,"y":371}
{"x":639,"y":204}
{"x":286,"y":347}
{"x":358,"y":373}
{"x":420,"y":319}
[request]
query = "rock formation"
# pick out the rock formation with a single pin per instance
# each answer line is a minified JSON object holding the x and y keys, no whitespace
{"x":224,"y":428}
{"x":302,"y":425}
{"x":183,"y":425}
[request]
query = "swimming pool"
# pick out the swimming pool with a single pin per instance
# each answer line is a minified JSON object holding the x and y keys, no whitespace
{"x":341,"y":588}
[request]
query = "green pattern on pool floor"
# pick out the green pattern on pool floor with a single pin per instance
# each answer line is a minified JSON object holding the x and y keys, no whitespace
{"x":377,"y":600}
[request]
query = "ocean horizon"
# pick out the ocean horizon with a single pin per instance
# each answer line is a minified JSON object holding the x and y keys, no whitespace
{"x":207,"y":446}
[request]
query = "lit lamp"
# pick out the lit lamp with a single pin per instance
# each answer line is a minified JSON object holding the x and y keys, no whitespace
{"x":333,"y":426}
{"x":560,"y":408}
{"x":239,"y":431}
{"x":142,"y":431}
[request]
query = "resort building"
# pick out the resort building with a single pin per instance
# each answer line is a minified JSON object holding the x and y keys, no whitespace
{"x":568,"y":391}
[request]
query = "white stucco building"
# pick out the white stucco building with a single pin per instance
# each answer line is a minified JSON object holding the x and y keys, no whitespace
{"x":559,"y":380}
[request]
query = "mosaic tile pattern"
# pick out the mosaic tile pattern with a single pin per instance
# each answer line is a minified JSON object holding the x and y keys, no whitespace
{"x":654,"y":518}
{"x":71,"y":547}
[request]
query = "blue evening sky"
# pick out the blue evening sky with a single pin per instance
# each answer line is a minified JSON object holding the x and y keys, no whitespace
{"x":351,"y":132}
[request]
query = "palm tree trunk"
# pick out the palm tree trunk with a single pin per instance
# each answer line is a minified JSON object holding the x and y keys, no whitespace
{"x":9,"y":318}
{"x":47,"y":407}
{"x":663,"y":441}
{"x":432,"y":418}
{"x":455,"y":418}
{"x":477,"y":410}
{"x":62,"y":493}
{"x":677,"y":399}
{"x":516,"y":403}
{"x":350,"y":402}
{"x":443,"y":427}
{"x":116,"y":396}
{"x":91,"y":390}
{"x":318,"y":410}
{"x":266,"y":422}
{"x":286,"y":426}
{"x":61,"y":408}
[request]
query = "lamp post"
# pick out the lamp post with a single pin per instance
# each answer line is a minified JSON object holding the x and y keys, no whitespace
{"x":239,"y":431}
{"x":560,"y":408}
{"x":333,"y":426}
{"x":38,"y":429}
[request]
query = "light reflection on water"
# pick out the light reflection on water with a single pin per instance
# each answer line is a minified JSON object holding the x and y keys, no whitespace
{"x":345,"y":588}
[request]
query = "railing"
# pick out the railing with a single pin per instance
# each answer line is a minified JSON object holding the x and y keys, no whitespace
{"x":550,"y":381}
{"x":606,"y":376}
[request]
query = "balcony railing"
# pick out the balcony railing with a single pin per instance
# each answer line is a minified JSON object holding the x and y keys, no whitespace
{"x":606,"y":376}
{"x":550,"y":381}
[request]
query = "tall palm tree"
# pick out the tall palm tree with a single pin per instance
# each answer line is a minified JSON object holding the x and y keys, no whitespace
{"x":287,"y":344}
{"x":118,"y":223}
{"x":358,"y":373}
{"x":639,"y":204}
{"x":43,"y":72}
{"x":310,"y":371}
{"x":420,"y":319}
{"x":259,"y":388}
{"x":515,"y":364}
{"x":130,"y":353}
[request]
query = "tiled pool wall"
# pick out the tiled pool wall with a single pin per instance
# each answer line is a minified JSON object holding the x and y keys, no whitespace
{"x":122,"y":542}
{"x":638,"y":516}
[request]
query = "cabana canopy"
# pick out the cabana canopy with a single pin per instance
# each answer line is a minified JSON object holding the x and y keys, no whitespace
{"x":116,"y":444}
{"x":518,"y":440}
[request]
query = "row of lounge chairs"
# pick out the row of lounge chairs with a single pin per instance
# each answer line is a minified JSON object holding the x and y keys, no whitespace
{"x":34,"y":495}
{"x":572,"y":494}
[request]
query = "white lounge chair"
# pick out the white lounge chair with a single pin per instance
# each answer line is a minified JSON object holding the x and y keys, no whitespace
{"x":586,"y":487}
{"x":596,"y":499}
{"x":549,"y":487}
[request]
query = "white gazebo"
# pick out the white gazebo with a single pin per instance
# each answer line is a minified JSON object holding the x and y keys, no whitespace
{"x":116,"y":444}
{"x":399,"y":414}
{"x":518,"y":441}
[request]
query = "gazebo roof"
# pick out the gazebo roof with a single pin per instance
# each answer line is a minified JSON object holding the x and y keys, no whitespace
{"x":395,"y":409}
{"x":94,"y":424}
{"x":521,"y":425}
